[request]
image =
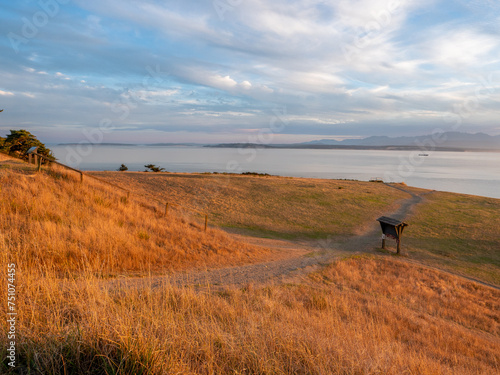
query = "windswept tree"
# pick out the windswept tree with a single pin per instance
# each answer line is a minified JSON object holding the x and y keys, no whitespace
{"x":153,"y":168}
{"x":18,"y":142}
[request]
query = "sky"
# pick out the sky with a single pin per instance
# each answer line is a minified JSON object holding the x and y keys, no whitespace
{"x":248,"y":70}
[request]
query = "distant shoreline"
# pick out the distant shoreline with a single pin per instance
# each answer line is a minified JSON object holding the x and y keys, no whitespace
{"x":351,"y":147}
{"x":447,"y":141}
{"x":291,"y":146}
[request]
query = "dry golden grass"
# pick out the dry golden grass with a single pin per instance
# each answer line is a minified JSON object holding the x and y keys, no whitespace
{"x":270,"y":206}
{"x":458,"y":232}
{"x":54,"y":221}
{"x":362,"y":315}
{"x":358,"y":316}
{"x":8,"y":163}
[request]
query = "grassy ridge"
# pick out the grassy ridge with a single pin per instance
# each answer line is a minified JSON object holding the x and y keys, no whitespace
{"x":455,"y":231}
{"x":410,"y":320}
{"x":271,"y":206}
{"x":458,"y":232}
{"x":361,"y":315}
{"x":54,"y":221}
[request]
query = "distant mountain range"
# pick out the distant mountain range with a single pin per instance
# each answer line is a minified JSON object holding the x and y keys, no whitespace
{"x":448,"y":141}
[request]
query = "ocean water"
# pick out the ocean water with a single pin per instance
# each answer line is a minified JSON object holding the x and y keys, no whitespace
{"x":476,"y":173}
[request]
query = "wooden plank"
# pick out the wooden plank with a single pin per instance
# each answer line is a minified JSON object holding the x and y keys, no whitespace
{"x":389,"y":220}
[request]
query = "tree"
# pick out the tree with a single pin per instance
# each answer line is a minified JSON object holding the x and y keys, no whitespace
{"x":153,"y":168}
{"x":18,"y":142}
{"x":122,"y":168}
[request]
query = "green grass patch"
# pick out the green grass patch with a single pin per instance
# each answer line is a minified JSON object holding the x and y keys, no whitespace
{"x":458,"y":232}
{"x":276,"y":207}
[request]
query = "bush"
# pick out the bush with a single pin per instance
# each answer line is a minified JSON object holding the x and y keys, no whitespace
{"x":153,"y":168}
{"x":122,"y":168}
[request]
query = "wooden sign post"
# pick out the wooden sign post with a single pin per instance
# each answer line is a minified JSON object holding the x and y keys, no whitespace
{"x":32,"y":152}
{"x":391,"y":228}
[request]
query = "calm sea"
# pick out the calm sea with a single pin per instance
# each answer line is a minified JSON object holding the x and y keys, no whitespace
{"x":475,"y":173}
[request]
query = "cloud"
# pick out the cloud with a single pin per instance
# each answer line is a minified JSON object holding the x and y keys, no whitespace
{"x":343,"y":66}
{"x":463,"y":47}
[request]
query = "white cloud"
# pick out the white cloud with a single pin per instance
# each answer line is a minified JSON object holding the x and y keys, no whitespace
{"x":464,"y":47}
{"x":320,"y":120}
{"x":246,"y":85}
{"x":221,"y":82}
{"x":411,"y":61}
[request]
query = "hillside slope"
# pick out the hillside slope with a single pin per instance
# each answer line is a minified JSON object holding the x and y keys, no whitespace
{"x":360,"y":315}
{"x":52,"y":219}
{"x":271,"y":206}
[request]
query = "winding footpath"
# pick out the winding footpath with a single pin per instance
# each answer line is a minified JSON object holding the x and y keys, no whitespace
{"x":299,"y":258}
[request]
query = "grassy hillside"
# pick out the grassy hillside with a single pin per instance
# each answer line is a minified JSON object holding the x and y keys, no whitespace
{"x":357,"y":316}
{"x":53,"y":220}
{"x":458,"y":232}
{"x":360,"y":315}
{"x":455,"y":231}
{"x":270,"y":206}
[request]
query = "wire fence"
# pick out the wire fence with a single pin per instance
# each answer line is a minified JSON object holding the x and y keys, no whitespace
{"x":38,"y":161}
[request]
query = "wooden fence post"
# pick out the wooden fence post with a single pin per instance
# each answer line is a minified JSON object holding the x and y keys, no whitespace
{"x":39,"y":164}
{"x":206,"y":222}
{"x":166,"y":209}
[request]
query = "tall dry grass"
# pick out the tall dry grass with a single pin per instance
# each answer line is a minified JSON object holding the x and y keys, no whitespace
{"x":271,"y":206}
{"x":362,"y":315}
{"x":52,"y":220}
{"x":359,"y":316}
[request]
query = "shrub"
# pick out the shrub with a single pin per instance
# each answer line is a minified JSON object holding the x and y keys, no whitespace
{"x":153,"y":168}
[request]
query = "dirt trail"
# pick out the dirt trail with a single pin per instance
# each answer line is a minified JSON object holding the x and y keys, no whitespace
{"x":298,"y":257}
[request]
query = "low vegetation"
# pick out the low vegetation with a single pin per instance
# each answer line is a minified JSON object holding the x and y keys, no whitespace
{"x":458,"y":232}
{"x":271,"y":206}
{"x":122,"y":168}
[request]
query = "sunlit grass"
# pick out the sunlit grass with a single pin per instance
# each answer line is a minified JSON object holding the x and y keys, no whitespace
{"x":271,"y":206}
{"x":71,"y":226}
{"x":358,"y":316}
{"x":361,"y":315}
{"x":459,"y":232}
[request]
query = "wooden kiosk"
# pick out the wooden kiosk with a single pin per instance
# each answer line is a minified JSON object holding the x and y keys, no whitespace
{"x":392,"y":228}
